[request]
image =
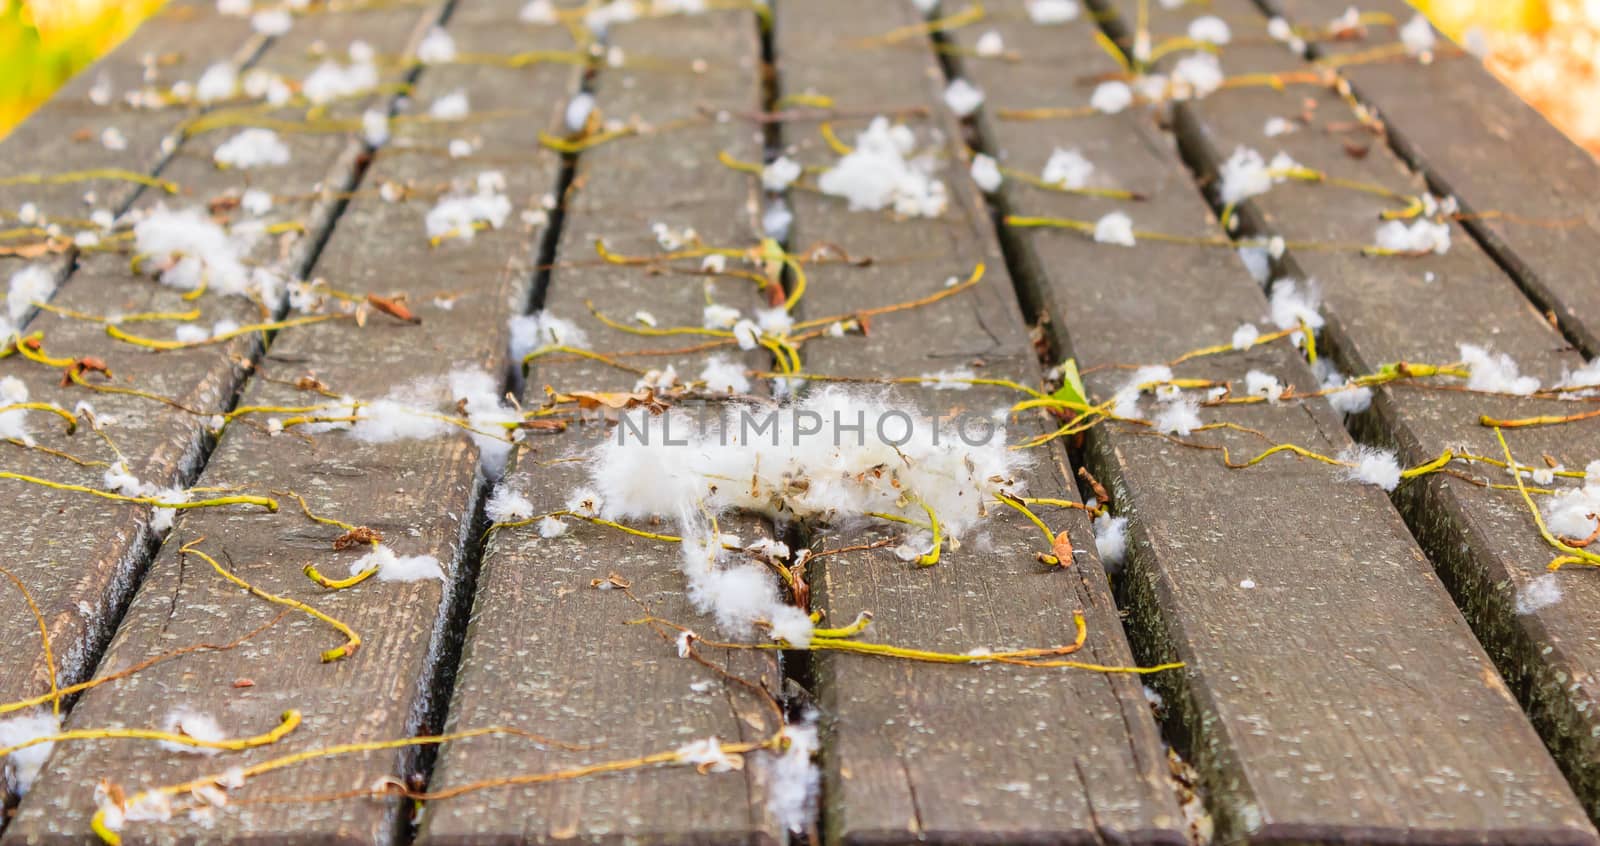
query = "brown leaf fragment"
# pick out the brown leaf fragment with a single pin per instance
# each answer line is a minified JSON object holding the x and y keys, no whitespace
{"x":1062,"y":549}
{"x":80,"y":366}
{"x":612,"y":581}
{"x":36,"y":249}
{"x":359,"y":536}
{"x":113,"y":792}
{"x":1583,"y":543}
{"x":615,"y":400}
{"x":1101,"y":495}
{"x":394,"y":307}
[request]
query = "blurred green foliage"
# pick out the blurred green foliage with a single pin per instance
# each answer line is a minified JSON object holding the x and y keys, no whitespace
{"x":44,"y":42}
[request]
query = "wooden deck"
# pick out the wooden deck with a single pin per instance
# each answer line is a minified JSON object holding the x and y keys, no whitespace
{"x":1276,"y":650}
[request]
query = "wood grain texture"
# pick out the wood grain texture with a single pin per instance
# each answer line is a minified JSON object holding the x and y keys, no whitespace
{"x":921,"y":753}
{"x":1420,"y":310}
{"x":1333,"y":692}
{"x":420,"y":494}
{"x":84,"y":562}
{"x":545,"y":651}
{"x":1476,"y":139}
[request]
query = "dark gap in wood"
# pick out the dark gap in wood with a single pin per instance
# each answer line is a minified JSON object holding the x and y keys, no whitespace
{"x":141,"y":554}
{"x":1500,"y":254}
{"x":1023,"y":269}
{"x":1137,"y":605}
{"x":515,"y":378}
{"x":1134,"y":587}
{"x":436,"y":687}
{"x":797,"y":668}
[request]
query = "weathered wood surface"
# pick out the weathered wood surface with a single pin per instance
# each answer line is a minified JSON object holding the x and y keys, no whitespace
{"x":1420,"y":310}
{"x":1476,"y":139}
{"x":923,"y":753}
{"x":1311,"y":710}
{"x":1332,"y":691}
{"x":420,"y":495}
{"x":546,"y":652}
{"x":83,"y":564}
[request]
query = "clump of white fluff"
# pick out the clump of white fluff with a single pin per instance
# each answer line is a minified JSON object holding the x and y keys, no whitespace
{"x":795,"y":779}
{"x":195,"y":724}
{"x":22,"y":766}
{"x":13,"y":423}
{"x":1371,"y":466}
{"x":1496,"y":373}
{"x":1569,"y":513}
{"x":1068,"y":169}
{"x":1421,"y":236}
{"x":254,"y":147}
{"x":386,"y":420}
{"x":488,"y":416}
{"x":1111,"y":97}
{"x":1195,"y":76}
{"x":437,"y":47}
{"x":187,"y":248}
{"x":458,"y":213}
{"x":530,"y":332}
{"x":332,"y":81}
{"x":1291,"y":305}
{"x":34,"y":283}
{"x":1244,"y":175}
{"x":1539,"y":594}
{"x":724,"y":377}
{"x":1115,"y":228}
{"x":1111,"y":541}
{"x":1047,"y":12}
{"x":393,"y":567}
{"x":1587,"y":376}
{"x":963,"y":97}
{"x":750,"y":461}
{"x":835,"y":456}
{"x":507,"y":505}
{"x":877,"y":174}
{"x":1417,"y":35}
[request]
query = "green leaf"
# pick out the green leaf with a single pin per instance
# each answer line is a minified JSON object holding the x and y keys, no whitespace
{"x":1071,"y":389}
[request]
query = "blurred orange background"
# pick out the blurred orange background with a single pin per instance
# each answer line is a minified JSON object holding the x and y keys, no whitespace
{"x":1547,"y":50}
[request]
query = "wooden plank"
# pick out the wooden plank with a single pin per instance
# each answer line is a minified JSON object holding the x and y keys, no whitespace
{"x":1329,"y":674}
{"x":68,"y":134}
{"x":925,"y":753}
{"x":1420,"y":310}
{"x":421,"y":495}
{"x":545,"y":651}
{"x":84,"y":578}
{"x":1458,"y":124}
